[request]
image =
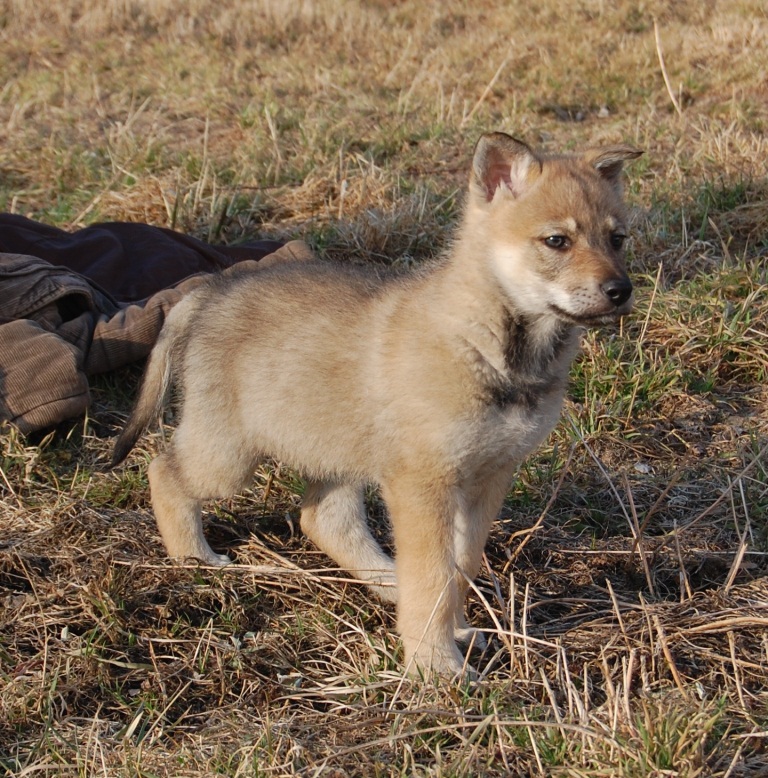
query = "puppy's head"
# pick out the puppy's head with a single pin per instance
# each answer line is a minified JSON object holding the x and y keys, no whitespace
{"x":554,"y":227}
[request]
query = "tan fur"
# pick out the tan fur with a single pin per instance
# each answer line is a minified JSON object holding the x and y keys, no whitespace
{"x":433,"y":385}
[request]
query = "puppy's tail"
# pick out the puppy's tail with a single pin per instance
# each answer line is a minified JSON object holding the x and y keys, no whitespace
{"x":157,"y":376}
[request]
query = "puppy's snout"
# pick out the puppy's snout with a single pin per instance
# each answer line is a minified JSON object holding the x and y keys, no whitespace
{"x":617,"y":290}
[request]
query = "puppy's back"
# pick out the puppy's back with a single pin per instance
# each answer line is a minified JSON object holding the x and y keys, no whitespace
{"x":289,"y":354}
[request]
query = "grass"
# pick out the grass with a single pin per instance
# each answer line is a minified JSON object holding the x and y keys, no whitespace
{"x":625,"y":592}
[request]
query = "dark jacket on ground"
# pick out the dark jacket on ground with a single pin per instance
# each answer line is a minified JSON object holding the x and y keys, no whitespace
{"x":77,"y":304}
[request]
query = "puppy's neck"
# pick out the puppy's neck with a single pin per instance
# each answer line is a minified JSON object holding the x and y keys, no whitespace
{"x":537,"y":356}
{"x":515,"y":359}
{"x":533,"y":344}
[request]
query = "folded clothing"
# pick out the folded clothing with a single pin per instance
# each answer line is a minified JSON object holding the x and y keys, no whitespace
{"x":66,"y":313}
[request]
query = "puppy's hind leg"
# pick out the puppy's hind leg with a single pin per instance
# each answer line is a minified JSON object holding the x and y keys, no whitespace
{"x":198,"y":465}
{"x":178,"y":514}
{"x":333,"y":518}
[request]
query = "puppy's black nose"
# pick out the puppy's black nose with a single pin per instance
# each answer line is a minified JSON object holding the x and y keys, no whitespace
{"x":617,"y":290}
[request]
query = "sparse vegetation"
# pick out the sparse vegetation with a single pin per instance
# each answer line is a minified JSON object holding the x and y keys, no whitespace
{"x":625,"y":591}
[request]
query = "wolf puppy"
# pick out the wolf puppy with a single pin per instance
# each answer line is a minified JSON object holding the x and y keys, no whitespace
{"x":433,"y":385}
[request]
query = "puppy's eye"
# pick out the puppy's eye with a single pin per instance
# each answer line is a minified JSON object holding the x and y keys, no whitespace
{"x":559,"y":242}
{"x":617,"y":240}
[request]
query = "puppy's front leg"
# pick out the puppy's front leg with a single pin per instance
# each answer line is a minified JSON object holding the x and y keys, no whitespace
{"x":477,"y":509}
{"x":422,"y":519}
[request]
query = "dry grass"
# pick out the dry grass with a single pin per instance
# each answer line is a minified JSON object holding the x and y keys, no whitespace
{"x":625,"y":590}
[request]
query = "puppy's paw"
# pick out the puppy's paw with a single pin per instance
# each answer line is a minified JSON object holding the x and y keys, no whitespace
{"x":384,"y":586}
{"x":208,"y":557}
{"x":444,"y":661}
{"x":196,"y":548}
{"x":469,"y":637}
{"x":218,"y":560}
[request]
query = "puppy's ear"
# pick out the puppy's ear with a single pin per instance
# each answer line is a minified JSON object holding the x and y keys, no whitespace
{"x":609,"y":162}
{"x":502,"y":161}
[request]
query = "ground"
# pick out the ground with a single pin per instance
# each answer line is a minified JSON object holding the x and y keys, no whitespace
{"x":624,"y":592}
